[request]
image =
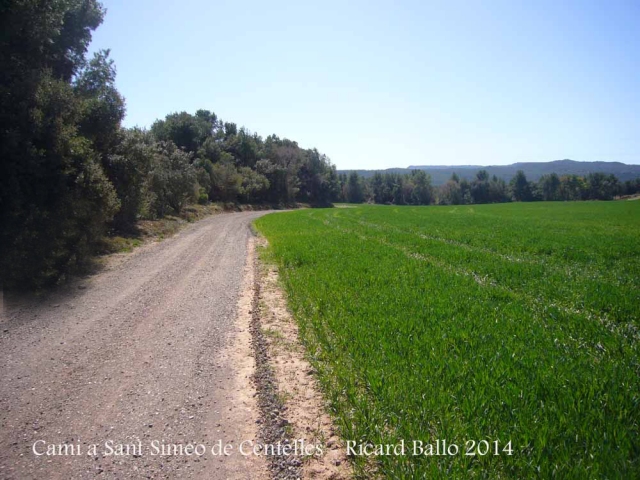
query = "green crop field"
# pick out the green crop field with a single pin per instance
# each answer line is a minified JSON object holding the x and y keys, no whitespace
{"x":510,"y":331}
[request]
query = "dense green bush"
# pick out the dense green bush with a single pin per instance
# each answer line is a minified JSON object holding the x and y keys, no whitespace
{"x":172,"y":181}
{"x":55,"y":199}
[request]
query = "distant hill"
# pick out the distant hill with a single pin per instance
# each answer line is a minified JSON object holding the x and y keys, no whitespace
{"x":533,"y":170}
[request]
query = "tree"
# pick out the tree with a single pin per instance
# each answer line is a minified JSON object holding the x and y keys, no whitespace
{"x":230,"y":129}
{"x":498,"y":191}
{"x":54,"y":196}
{"x":601,"y":186}
{"x":102,"y":106}
{"x":549,"y":186}
{"x":281,"y":167}
{"x":186,"y":131}
{"x":377,"y":188}
{"x":572,"y":187}
{"x":246,"y":148}
{"x":211,"y":149}
{"x":253,"y":185}
{"x":128,"y":169}
{"x":173,"y":179}
{"x":422,"y":193}
{"x":355,"y":193}
{"x":630,"y":187}
{"x":465,"y":191}
{"x":480,"y":188}
{"x":318,"y":179}
{"x":450,"y":193}
{"x":520,"y":188}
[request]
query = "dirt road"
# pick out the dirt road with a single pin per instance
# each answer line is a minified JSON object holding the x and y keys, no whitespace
{"x":143,"y":355}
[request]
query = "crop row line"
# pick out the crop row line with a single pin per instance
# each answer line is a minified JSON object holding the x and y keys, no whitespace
{"x":627,"y":331}
{"x":567,"y":269}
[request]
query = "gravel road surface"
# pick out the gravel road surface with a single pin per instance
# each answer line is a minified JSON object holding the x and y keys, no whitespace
{"x":136,"y":356}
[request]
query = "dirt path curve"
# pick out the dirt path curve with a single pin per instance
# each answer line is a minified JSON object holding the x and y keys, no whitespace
{"x":142,"y":354}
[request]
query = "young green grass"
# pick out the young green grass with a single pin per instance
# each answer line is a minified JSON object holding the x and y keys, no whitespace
{"x":487,"y":323}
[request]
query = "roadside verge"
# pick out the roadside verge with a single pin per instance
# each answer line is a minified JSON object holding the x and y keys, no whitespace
{"x":292,"y":407}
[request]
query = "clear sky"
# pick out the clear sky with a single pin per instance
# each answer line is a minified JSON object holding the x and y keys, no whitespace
{"x":377,"y":84}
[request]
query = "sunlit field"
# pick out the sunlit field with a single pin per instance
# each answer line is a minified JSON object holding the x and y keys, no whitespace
{"x":508,"y":330}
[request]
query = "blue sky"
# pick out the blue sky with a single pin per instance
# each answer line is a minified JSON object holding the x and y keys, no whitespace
{"x":379,"y":84}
